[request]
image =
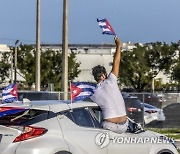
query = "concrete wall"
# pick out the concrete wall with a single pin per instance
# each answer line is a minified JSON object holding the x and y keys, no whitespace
{"x":88,"y":61}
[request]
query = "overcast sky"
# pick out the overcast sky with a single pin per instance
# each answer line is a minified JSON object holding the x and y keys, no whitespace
{"x":133,"y":20}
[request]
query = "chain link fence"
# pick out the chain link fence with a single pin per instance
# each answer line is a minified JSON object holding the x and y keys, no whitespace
{"x":163,"y":110}
{"x":169,"y":103}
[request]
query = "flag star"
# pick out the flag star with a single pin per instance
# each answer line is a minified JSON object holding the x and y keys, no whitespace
{"x":74,"y":91}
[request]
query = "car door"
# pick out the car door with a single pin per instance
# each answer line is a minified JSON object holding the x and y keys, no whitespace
{"x":127,"y":143}
{"x":118,"y":143}
{"x":80,"y":132}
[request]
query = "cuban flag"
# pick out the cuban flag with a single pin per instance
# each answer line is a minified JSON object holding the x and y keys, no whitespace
{"x":9,"y":94}
{"x":106,"y":27}
{"x":10,"y":110}
{"x":81,"y":90}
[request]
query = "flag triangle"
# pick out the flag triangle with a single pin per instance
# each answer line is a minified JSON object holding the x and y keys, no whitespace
{"x":75,"y":91}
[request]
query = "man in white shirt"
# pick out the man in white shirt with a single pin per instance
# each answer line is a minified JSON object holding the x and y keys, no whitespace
{"x":108,"y":96}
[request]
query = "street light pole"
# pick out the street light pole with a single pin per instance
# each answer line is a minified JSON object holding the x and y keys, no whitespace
{"x":38,"y":54}
{"x":65,"y":51}
{"x":15,"y":61}
{"x":12,"y":64}
{"x":153,"y":85}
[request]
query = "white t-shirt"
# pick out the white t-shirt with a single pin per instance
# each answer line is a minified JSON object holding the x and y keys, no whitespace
{"x":109,"y":98}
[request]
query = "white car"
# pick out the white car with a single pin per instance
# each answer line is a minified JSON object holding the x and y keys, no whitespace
{"x":152,"y":113}
{"x":59,"y":127}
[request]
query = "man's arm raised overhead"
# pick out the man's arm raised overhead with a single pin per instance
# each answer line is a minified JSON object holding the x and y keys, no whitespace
{"x":117,"y":57}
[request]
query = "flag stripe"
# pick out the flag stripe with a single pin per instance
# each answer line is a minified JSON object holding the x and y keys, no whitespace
{"x":88,"y":90}
{"x":9,"y":100}
{"x":79,"y":98}
{"x":85,"y":93}
{"x":105,"y":30}
{"x":5,"y":92}
{"x":109,"y":33}
{"x":101,"y":20}
{"x":102,"y":24}
{"x":82,"y":84}
{"x":10,"y":112}
{"x":86,"y":86}
{"x":8,"y":96}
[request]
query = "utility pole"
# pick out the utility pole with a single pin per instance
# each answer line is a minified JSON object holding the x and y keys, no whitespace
{"x":65,"y":50}
{"x":15,"y":61}
{"x":11,"y":65}
{"x":38,"y":53}
{"x":153,"y":85}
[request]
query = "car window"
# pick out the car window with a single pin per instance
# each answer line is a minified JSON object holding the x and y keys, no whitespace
{"x":133,"y":102}
{"x":32,"y":95}
{"x":128,"y":102}
{"x":96,"y":114}
{"x":81,"y":117}
{"x":28,"y":117}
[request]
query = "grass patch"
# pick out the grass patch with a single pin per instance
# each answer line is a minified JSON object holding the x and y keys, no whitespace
{"x":170,"y":132}
{"x":165,"y":130}
{"x":174,"y":136}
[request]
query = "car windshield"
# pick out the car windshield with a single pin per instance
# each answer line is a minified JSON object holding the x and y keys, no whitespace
{"x":133,"y":102}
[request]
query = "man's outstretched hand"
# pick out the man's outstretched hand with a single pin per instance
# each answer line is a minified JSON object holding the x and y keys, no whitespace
{"x":117,"y":41}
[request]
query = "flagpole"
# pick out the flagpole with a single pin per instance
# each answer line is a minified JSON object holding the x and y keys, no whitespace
{"x":70,"y":95}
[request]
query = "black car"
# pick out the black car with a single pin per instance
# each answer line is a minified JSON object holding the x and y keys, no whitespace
{"x":152,"y":99}
{"x":172,"y":114}
{"x":38,"y":95}
{"x":134,"y":108}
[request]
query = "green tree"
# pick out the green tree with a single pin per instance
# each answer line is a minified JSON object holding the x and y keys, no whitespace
{"x":26,"y":64}
{"x":175,"y":74}
{"x":4,"y":66}
{"x":134,"y":67}
{"x":143,"y":63}
{"x":51,"y":66}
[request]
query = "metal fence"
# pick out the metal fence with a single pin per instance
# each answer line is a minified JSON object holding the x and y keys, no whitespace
{"x":170,"y":105}
{"x":168,"y":102}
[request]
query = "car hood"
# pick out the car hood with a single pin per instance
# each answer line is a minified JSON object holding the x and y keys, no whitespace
{"x":149,"y":133}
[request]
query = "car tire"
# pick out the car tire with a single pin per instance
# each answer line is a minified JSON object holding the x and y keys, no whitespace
{"x":165,"y":151}
{"x":63,"y":152}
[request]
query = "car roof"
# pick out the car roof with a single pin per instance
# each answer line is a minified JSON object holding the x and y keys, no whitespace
{"x":50,"y":105}
{"x":149,"y":106}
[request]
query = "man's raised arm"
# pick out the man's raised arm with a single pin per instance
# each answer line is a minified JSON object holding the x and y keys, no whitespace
{"x":117,"y":57}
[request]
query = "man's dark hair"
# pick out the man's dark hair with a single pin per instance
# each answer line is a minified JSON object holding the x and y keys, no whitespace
{"x":97,"y":71}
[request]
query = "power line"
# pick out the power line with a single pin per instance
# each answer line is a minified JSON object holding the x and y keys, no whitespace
{"x":30,"y":41}
{"x":13,"y":40}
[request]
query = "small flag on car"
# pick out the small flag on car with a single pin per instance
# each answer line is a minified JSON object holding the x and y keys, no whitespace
{"x":106,"y":27}
{"x":9,"y":93}
{"x":81,"y":90}
{"x":10,"y":110}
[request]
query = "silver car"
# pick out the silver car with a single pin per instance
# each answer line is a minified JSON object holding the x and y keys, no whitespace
{"x":59,"y":127}
{"x":152,"y":113}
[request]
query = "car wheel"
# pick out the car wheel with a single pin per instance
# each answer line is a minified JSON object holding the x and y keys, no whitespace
{"x":63,"y":152}
{"x":166,"y":151}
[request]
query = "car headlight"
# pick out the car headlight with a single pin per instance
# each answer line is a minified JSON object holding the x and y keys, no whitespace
{"x":169,"y":140}
{"x":173,"y":142}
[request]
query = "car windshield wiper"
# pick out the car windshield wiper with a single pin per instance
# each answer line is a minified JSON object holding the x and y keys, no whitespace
{"x":26,"y":112}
